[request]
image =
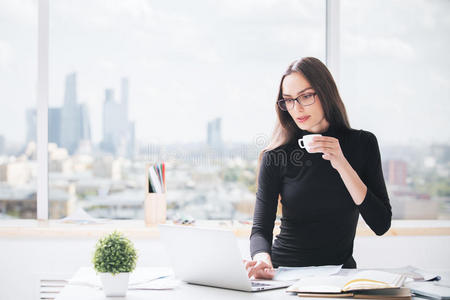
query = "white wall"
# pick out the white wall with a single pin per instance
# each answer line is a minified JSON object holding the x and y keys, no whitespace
{"x":24,"y":261}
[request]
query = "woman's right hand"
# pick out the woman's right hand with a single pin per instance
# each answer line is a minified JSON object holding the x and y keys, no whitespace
{"x":260,"y":267}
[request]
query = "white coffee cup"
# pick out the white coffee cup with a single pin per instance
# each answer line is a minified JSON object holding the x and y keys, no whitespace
{"x":306,"y":140}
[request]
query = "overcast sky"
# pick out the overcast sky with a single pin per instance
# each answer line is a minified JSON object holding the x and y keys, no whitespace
{"x":190,"y":62}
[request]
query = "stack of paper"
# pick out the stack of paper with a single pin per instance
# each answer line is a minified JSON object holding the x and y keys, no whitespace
{"x":433,"y":290}
{"x":295,"y":273}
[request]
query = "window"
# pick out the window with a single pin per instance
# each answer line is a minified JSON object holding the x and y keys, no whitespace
{"x":188,"y":83}
{"x":138,"y":82}
{"x":395,"y":83}
{"x":18,"y":64}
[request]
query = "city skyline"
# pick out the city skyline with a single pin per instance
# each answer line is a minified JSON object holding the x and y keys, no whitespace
{"x":69,"y":125}
{"x":177,"y":54}
{"x":180,"y":57}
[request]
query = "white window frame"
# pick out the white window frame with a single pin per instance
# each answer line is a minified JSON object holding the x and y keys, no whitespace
{"x":332,"y":33}
{"x":332,"y":61}
{"x":42,"y":110}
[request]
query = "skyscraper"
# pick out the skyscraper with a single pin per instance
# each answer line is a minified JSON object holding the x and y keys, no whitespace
{"x":30,"y":115}
{"x":70,"y":92}
{"x":2,"y":144}
{"x":54,"y":125}
{"x":124,"y":97}
{"x":118,"y":132}
{"x":112,"y":123}
{"x":215,"y":133}
{"x":75,"y":125}
{"x":109,"y":95}
{"x":70,"y":126}
{"x":85,"y":133}
{"x":131,"y":147}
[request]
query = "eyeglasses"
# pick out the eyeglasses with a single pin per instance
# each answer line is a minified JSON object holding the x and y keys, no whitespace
{"x":303,"y":100}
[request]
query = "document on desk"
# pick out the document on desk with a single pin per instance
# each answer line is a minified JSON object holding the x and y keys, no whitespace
{"x":429,"y":289}
{"x":414,"y":274}
{"x":142,"y":278}
{"x":295,"y":273}
{"x":81,"y":217}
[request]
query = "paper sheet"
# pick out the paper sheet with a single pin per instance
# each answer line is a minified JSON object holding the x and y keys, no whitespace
{"x":429,"y":289}
{"x":79,"y":216}
{"x":414,"y":273}
{"x":295,"y":273}
{"x":140,"y":279}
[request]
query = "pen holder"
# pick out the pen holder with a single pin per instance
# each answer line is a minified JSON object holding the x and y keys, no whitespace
{"x":155,"y":208}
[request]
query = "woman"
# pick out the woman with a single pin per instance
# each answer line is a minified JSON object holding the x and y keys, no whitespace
{"x":323,"y":192}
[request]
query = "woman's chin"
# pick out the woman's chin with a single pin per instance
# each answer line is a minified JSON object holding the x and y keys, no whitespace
{"x":302,"y":126}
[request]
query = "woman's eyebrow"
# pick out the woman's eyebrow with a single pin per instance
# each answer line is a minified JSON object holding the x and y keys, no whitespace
{"x":308,"y":88}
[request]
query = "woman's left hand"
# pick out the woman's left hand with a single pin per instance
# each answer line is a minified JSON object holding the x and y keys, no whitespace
{"x":331,"y":150}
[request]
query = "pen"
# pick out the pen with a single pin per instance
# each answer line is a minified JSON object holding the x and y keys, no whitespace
{"x":164,"y":175}
{"x":150,"y":187}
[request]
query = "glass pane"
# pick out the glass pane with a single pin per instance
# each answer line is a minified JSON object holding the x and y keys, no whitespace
{"x":18,"y":70}
{"x":192,"y":84}
{"x":395,"y":83}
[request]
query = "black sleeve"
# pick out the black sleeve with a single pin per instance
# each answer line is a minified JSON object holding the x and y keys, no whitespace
{"x":375,"y":208}
{"x":266,"y":205}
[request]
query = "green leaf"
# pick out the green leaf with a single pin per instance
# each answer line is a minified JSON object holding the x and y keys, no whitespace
{"x":114,"y":254}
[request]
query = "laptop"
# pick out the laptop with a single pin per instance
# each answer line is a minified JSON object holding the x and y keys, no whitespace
{"x":210,"y":257}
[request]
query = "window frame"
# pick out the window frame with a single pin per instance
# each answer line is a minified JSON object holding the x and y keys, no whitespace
{"x":332,"y":61}
{"x":42,"y":110}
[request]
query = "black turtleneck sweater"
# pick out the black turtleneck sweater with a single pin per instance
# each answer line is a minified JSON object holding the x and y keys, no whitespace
{"x":319,"y":216}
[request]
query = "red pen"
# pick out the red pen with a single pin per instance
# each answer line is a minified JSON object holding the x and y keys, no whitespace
{"x":164,"y":175}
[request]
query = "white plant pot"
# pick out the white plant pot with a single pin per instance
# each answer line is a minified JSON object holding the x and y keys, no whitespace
{"x":115,"y":285}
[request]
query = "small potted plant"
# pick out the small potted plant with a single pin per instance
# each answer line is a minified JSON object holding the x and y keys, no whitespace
{"x":114,"y":258}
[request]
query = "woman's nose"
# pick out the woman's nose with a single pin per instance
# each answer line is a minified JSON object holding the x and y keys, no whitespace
{"x":298,"y":106}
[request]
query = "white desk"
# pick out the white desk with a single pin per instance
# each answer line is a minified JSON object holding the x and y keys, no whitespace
{"x":185,"y":291}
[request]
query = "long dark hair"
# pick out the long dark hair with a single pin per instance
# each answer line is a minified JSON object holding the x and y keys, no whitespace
{"x":323,"y":83}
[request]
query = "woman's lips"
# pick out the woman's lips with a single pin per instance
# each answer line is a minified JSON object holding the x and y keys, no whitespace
{"x":303,"y":119}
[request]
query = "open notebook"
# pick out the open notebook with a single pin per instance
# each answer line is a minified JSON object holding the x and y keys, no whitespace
{"x":363,"y":280}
